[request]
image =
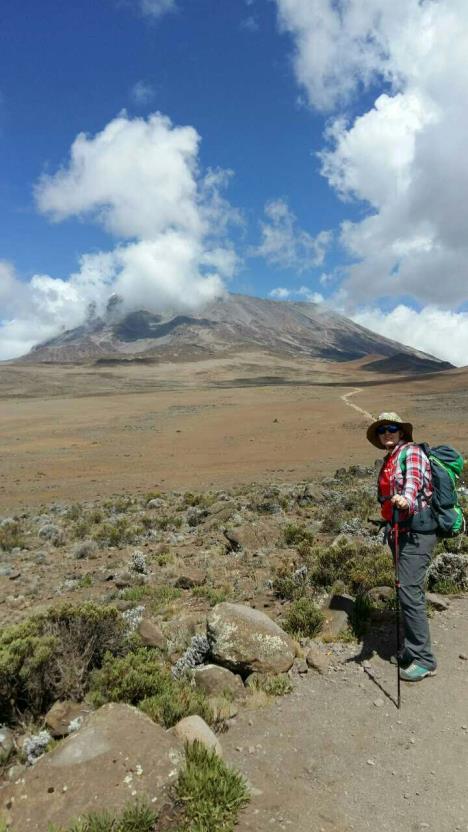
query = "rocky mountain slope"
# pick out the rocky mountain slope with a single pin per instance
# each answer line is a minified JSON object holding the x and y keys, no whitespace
{"x":236,"y":322}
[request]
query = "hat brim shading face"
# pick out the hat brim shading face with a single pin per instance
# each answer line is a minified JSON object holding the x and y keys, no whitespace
{"x":406,"y":428}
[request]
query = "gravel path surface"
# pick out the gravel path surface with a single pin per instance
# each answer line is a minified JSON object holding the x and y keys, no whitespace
{"x":336,"y":755}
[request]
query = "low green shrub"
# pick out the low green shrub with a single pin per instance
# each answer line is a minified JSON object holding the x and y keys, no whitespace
{"x":296,"y":534}
{"x":130,"y":678}
{"x":176,"y":701}
{"x":211,"y":793}
{"x":288,"y":588}
{"x":140,"y":678}
{"x":117,"y":533}
{"x":50,"y":656}
{"x":304,"y":618}
{"x":359,"y":565}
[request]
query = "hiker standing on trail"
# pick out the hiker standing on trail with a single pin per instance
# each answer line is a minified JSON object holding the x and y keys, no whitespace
{"x":405,"y":483}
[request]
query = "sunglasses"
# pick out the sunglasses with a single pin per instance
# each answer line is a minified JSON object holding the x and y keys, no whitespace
{"x":388,"y":429}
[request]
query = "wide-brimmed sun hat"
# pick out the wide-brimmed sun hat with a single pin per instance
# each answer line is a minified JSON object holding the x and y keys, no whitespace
{"x":389,"y":419}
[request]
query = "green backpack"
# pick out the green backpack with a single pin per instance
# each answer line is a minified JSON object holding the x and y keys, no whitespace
{"x":446,"y":467}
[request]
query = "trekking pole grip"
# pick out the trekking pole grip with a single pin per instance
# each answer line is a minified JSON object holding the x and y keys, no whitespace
{"x":395,"y":516}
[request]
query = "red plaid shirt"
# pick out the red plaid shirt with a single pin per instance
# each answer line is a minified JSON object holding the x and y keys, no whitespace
{"x":416,"y":479}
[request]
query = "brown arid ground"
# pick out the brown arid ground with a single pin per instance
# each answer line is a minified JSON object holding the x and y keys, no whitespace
{"x":335,"y":755}
{"x":69,"y":433}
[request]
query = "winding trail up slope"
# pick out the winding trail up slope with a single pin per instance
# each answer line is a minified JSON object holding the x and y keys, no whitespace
{"x":345,"y":398}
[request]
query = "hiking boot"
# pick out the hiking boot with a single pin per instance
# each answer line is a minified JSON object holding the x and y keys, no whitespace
{"x":415,"y":672}
{"x":404,"y":662}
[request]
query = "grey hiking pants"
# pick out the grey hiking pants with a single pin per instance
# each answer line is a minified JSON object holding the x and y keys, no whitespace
{"x":414,"y":557}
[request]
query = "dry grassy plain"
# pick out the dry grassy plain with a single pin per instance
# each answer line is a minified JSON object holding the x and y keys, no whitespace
{"x":79,"y":432}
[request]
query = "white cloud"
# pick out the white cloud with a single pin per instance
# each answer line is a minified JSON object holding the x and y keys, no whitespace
{"x":437,"y":331}
{"x":141,"y":180}
{"x":157,"y":8}
{"x":406,"y":156}
{"x":303,"y":293}
{"x":285,"y":244}
{"x":280,"y":293}
{"x":142,"y":93}
{"x":136,"y":178}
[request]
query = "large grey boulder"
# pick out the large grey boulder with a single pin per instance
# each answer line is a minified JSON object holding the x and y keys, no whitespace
{"x":118,"y":753}
{"x":247,"y":641}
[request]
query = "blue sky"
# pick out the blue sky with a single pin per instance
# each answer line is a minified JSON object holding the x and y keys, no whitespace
{"x":321,"y":148}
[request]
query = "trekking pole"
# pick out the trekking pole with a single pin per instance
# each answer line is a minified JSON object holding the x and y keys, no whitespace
{"x":396,"y":563}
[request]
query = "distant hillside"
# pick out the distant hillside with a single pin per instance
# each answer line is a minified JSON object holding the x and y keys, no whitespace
{"x":404,"y":363}
{"x":236,"y":322}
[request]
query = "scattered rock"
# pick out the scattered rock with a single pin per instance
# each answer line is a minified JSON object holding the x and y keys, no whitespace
{"x":190,"y":578}
{"x":247,"y":640}
{"x":341,"y":601}
{"x":300,"y":667}
{"x":381,"y":593}
{"x":216,"y":681}
{"x":62,"y":714}
{"x":251,"y":536}
{"x":125,"y":579}
{"x":335,"y":622}
{"x":437,"y":601}
{"x":151,"y":635}
{"x":118,"y":754}
{"x":155,"y":503}
{"x":194,"y":729}
{"x":317,"y":660}
{"x":7,"y":742}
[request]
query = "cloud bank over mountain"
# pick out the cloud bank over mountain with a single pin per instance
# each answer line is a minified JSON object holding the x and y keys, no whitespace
{"x":405,"y":156}
{"x":140,"y":180}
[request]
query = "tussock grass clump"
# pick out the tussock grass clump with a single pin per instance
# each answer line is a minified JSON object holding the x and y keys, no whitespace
{"x":155,"y":598}
{"x":136,"y":817}
{"x":11,"y":535}
{"x":50,"y":656}
{"x":212,"y":794}
{"x":214,"y":595}
{"x":140,"y":678}
{"x":273,"y":685}
{"x":191,"y":500}
{"x":303,"y":619}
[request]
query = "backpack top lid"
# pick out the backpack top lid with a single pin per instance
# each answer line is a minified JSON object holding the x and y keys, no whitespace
{"x":448,"y":456}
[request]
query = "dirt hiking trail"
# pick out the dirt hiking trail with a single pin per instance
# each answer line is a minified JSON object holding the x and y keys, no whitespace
{"x":336,"y":755}
{"x":345,"y":398}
